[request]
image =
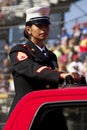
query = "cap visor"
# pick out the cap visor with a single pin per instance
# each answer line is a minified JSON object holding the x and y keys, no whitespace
{"x":41,"y":21}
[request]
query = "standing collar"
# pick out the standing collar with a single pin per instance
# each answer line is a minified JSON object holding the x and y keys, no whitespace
{"x":41,"y":49}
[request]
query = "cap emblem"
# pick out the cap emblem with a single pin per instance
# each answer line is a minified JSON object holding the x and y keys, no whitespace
{"x":43,"y":12}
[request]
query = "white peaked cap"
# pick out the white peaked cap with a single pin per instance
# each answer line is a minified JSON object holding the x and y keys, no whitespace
{"x":38,"y":14}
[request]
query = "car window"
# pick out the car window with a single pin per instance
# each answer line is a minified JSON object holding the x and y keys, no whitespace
{"x":71,"y":116}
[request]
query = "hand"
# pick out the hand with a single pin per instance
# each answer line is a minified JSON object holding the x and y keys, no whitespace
{"x":74,"y":75}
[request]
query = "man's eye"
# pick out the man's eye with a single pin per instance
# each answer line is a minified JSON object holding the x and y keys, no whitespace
{"x":41,"y":25}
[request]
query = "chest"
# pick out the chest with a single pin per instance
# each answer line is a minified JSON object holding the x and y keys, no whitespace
{"x":47,"y":59}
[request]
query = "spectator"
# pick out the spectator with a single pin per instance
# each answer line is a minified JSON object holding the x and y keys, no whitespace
{"x":85,"y":68}
{"x":56,"y":49}
{"x":11,"y":84}
{"x":83,"y":46}
{"x":4,"y":84}
{"x":7,"y":50}
{"x":75,"y":65}
{"x":6,"y":68}
{"x":76,"y":33}
{"x":1,"y":16}
{"x":64,"y":36}
{"x":84,"y":29}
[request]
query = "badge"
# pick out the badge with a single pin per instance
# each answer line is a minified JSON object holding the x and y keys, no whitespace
{"x":21,"y":56}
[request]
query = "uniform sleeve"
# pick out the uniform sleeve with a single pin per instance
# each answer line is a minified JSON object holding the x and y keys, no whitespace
{"x":24,"y":65}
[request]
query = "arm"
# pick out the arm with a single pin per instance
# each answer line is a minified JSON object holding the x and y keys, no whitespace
{"x":23,"y":64}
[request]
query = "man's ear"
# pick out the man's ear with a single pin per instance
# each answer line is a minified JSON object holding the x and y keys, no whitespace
{"x":28,"y":29}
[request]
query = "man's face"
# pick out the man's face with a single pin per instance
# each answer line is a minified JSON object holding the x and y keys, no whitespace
{"x":39,"y":31}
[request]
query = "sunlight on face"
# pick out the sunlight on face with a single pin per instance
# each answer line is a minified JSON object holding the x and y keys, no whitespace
{"x":39,"y":31}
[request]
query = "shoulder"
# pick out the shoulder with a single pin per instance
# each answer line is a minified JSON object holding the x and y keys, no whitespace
{"x":52,"y":54}
{"x":18,"y":47}
{"x":18,"y":53}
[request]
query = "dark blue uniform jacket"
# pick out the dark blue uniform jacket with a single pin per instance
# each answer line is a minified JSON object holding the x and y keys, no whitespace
{"x":32,"y":70}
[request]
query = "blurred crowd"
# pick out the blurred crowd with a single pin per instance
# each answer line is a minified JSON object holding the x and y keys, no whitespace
{"x":71,"y":50}
{"x":8,"y":2}
{"x":6,"y":80}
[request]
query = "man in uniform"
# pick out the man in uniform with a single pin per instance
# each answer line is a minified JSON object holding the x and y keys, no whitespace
{"x":34,"y":67}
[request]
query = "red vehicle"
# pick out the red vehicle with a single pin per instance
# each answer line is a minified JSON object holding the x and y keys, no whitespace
{"x":31,"y":108}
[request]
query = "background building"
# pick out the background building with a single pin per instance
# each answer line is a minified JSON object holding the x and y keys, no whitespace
{"x":13,"y":18}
